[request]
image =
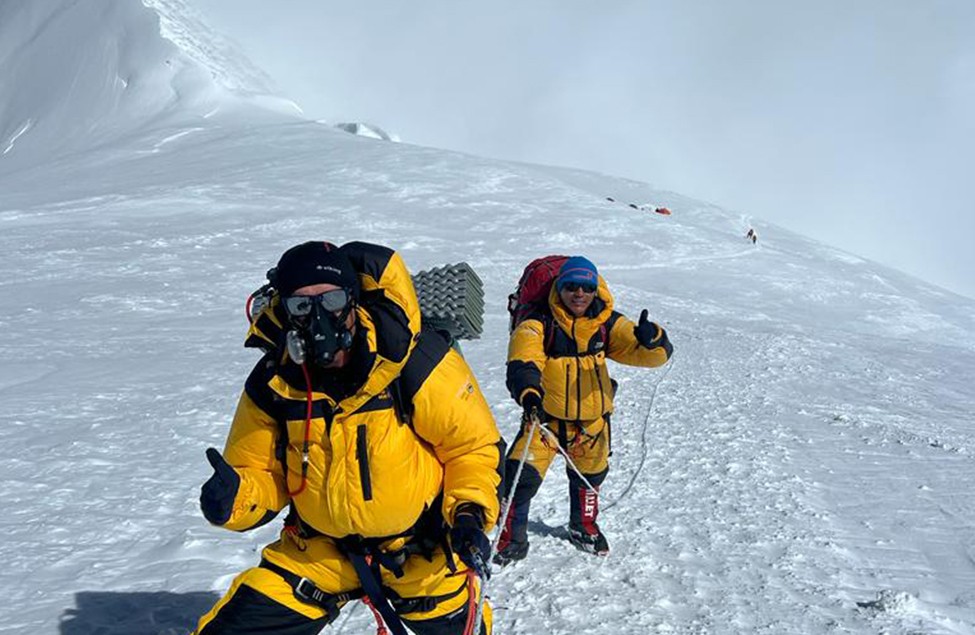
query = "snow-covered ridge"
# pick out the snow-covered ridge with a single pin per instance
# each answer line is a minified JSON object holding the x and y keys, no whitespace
{"x":76,"y":75}
{"x":181,"y":24}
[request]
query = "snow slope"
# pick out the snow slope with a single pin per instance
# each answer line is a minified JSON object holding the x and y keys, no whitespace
{"x":804,"y":465}
{"x":76,"y":75}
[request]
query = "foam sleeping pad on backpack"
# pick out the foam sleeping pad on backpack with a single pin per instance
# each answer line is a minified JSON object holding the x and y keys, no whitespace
{"x":451,"y":299}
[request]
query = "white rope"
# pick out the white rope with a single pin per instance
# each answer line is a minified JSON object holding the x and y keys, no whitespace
{"x":502,"y":519}
{"x":347,"y":613}
{"x":643,"y":439}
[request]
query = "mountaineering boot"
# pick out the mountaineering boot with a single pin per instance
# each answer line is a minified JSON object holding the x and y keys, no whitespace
{"x":584,"y":533}
{"x":511,"y":552}
{"x":589,"y":539}
{"x":513,"y":543}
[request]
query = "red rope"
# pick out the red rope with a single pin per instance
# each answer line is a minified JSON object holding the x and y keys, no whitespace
{"x":471,"y":604}
{"x":380,"y":626}
{"x":304,"y":447}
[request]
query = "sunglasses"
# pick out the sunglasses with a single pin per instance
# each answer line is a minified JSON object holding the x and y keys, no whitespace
{"x":334,"y":301}
{"x":572,"y":287}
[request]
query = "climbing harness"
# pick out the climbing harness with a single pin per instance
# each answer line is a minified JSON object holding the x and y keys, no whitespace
{"x":568,"y":458}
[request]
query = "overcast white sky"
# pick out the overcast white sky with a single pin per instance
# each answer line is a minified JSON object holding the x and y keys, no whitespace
{"x":851,"y":122}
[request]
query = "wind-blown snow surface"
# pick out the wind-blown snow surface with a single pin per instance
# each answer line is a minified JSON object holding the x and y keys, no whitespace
{"x":804,"y":465}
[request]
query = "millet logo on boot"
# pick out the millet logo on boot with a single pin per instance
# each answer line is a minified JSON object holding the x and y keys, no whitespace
{"x":589,"y":504}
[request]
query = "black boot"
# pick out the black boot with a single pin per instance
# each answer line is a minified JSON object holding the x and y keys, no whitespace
{"x":511,"y":552}
{"x":584,"y":533}
{"x":589,"y":539}
{"x":513,"y":543}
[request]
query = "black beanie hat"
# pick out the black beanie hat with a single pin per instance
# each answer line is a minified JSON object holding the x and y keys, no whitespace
{"x":314,"y":262}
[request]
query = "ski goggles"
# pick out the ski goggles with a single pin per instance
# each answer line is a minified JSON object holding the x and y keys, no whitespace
{"x":333,"y":301}
{"x":572,"y":287}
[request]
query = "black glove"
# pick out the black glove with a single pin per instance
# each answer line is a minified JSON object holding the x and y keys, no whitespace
{"x":217,"y":494}
{"x":646,"y":332}
{"x":532,"y":404}
{"x":468,"y":541}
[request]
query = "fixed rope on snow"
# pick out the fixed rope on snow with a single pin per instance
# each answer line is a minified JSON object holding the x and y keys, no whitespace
{"x":643,"y":438}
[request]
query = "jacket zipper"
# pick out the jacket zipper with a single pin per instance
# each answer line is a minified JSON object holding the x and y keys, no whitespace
{"x":578,"y":373}
{"x":566,"y":391}
{"x":578,"y":390}
{"x":599,"y":382}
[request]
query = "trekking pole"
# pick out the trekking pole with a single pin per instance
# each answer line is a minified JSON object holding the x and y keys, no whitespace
{"x":568,"y":459}
{"x":503,"y":518}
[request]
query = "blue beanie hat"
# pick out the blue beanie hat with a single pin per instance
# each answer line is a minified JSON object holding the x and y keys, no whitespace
{"x":579,"y":270}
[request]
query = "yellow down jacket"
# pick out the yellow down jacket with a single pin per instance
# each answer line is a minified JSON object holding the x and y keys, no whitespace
{"x":350,"y":464}
{"x":563,"y":358}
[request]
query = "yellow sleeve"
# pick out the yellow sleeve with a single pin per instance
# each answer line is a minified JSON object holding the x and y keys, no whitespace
{"x":250,"y":451}
{"x":451,"y":414}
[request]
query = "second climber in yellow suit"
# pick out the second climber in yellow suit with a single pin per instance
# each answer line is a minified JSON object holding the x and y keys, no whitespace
{"x":376,"y":436}
{"x":557,"y":372}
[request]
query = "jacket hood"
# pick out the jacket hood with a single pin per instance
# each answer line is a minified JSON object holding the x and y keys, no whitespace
{"x":586,"y":326}
{"x":388,"y":314}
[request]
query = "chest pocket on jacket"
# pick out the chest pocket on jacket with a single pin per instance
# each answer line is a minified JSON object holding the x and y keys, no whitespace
{"x":382,"y":403}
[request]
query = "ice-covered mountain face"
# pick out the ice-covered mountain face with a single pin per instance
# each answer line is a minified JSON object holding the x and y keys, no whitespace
{"x":78,"y":75}
{"x":804,"y":465}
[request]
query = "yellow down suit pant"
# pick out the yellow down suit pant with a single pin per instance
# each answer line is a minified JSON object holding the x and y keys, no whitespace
{"x":430,"y":599}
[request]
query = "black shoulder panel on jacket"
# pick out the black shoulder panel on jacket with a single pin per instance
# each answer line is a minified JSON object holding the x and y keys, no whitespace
{"x":392,"y":325}
{"x":430,"y":349}
{"x":368,"y":258}
{"x":257,"y":389}
{"x":270,"y":329}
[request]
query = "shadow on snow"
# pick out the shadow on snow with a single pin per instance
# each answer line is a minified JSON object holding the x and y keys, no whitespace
{"x":160,"y":613}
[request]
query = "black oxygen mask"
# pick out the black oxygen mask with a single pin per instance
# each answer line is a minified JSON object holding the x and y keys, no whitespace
{"x":319,"y":330}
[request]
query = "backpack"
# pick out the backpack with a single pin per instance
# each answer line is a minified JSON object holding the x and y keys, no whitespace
{"x":531,"y":295}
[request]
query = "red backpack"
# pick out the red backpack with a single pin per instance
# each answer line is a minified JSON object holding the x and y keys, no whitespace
{"x":533,"y":289}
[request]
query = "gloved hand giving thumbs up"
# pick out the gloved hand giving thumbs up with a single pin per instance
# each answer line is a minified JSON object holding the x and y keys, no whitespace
{"x":217,"y":494}
{"x":646,"y":331}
